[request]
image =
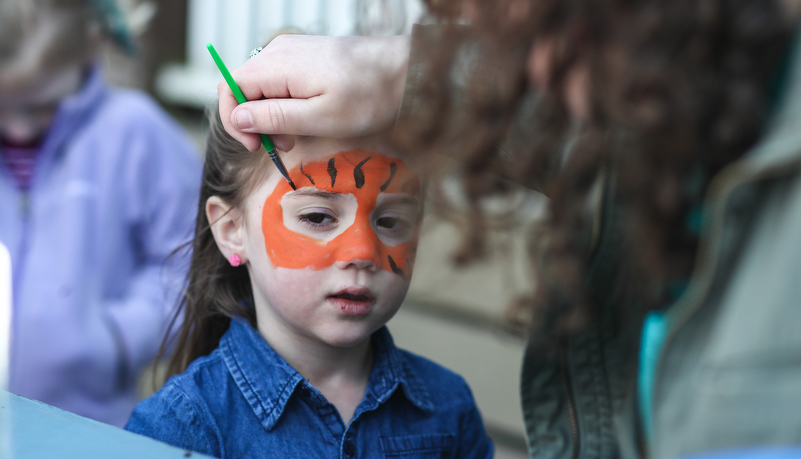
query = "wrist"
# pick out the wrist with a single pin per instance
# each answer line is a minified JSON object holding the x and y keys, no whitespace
{"x":389,"y":58}
{"x":397,"y":61}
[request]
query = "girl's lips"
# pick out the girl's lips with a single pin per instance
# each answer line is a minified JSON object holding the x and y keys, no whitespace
{"x":353,"y":301}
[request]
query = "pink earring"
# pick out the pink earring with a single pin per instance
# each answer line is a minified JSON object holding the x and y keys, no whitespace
{"x":235,"y":260}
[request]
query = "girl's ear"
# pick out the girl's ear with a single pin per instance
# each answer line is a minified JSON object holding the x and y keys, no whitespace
{"x":227,"y":226}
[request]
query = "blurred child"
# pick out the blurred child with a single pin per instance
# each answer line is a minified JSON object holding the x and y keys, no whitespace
{"x":287,"y":299}
{"x":95,"y":190}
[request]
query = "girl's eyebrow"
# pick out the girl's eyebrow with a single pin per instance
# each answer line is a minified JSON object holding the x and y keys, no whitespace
{"x":402,"y":199}
{"x":314,"y":193}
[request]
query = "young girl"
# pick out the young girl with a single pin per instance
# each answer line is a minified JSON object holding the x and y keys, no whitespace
{"x":286,"y":302}
{"x":94,"y":186}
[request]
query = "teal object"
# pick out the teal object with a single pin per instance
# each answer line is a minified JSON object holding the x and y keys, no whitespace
{"x":654,"y":331}
{"x":240,"y":98}
{"x":113,"y":21}
{"x":32,"y":429}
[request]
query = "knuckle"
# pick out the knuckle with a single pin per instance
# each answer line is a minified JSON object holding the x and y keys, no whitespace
{"x":276,"y":118}
{"x":278,"y":40}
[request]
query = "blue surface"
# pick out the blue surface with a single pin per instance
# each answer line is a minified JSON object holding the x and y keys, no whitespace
{"x":36,"y":430}
{"x":767,"y":452}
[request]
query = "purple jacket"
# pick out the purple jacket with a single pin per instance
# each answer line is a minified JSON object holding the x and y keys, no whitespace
{"x":114,"y":193}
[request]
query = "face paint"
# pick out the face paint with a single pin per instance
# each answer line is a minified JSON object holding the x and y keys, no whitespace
{"x":369,"y":177}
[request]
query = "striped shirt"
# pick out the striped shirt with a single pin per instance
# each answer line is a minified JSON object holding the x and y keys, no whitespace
{"x":21,"y":162}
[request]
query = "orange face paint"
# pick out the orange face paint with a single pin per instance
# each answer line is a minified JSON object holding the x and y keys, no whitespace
{"x":363,"y":174}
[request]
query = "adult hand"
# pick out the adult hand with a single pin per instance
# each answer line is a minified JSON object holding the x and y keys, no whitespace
{"x":319,"y":86}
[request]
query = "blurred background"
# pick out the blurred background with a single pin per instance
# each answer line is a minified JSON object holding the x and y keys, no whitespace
{"x":455,"y":316}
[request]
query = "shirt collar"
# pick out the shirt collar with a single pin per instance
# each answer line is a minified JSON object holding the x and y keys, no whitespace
{"x":267,"y":381}
{"x":390,"y":371}
{"x":74,"y":110}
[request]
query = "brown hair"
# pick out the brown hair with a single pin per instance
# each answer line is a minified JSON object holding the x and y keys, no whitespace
{"x":678,"y":90}
{"x":215,"y":291}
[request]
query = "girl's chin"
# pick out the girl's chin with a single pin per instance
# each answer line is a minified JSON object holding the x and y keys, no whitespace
{"x":346,"y":335}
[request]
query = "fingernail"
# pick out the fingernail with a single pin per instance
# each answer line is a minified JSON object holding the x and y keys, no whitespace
{"x":243,"y":119}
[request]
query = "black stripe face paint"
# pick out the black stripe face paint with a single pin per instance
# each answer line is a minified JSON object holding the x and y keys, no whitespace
{"x":395,"y":268}
{"x":358,"y":173}
{"x":332,"y":171}
{"x":307,"y":175}
{"x":392,"y":169}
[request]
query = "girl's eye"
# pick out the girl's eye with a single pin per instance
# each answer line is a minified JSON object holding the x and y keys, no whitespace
{"x":317,"y":220}
{"x":394,"y":227}
{"x":387,"y":222}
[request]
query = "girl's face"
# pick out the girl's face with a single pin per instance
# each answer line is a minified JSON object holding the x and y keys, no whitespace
{"x":27,"y":107}
{"x":332,"y":261}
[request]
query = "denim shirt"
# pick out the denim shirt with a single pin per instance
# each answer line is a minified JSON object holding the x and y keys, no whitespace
{"x":245,"y":400}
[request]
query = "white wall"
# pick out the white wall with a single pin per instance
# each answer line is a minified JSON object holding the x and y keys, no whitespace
{"x":235,"y":27}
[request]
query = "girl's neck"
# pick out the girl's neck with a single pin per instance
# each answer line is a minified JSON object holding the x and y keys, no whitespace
{"x":340,"y":374}
{"x":319,"y":362}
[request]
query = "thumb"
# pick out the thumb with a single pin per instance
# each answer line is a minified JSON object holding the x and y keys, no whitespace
{"x":277,"y":116}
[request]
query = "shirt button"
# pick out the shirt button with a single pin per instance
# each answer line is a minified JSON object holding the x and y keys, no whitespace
{"x":349,"y":448}
{"x":304,"y":392}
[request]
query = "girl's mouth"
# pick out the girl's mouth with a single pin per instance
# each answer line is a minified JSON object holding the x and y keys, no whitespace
{"x":353,"y":301}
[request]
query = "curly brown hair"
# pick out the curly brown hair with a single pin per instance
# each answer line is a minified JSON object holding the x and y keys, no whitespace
{"x":678,"y":89}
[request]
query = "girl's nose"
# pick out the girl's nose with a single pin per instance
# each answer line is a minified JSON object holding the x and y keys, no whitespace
{"x":360,"y":251}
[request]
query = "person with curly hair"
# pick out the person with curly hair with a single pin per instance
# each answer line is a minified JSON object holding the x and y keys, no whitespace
{"x":665,"y":135}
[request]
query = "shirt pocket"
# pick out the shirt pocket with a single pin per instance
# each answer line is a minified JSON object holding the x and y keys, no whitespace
{"x":428,"y":446}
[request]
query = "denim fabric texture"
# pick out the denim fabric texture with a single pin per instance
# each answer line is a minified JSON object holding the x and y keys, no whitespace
{"x":245,"y":400}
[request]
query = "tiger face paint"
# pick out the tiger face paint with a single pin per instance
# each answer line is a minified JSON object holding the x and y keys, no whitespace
{"x":357,"y":206}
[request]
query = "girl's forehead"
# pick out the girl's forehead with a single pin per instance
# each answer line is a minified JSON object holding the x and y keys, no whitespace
{"x":316,"y":162}
{"x":313,"y":149}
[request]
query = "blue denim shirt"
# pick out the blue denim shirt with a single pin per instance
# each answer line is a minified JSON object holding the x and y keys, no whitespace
{"x":245,"y":400}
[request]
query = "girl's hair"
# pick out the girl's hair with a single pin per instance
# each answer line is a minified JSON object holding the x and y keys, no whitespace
{"x":214,"y":290}
{"x":43,"y":35}
{"x":678,"y":90}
